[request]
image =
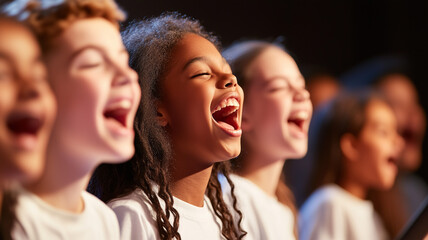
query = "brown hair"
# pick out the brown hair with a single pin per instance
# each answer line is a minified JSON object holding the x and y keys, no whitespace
{"x":49,"y":22}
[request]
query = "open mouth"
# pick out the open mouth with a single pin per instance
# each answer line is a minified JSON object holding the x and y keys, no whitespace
{"x":298,"y":119}
{"x":118,"y":112}
{"x":23,"y":123}
{"x":226,"y":114}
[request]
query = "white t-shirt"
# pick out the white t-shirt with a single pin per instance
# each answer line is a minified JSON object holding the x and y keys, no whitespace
{"x":37,"y":219}
{"x":264,"y":217}
{"x":332,"y":213}
{"x":137,"y":219}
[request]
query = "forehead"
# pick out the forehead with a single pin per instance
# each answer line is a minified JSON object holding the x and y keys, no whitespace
{"x":16,"y":40}
{"x":193,"y":46}
{"x":273,"y":62}
{"x":90,"y":31}
{"x":378,"y":112}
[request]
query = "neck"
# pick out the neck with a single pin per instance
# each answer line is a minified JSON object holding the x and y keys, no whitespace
{"x":263,"y":172}
{"x":190,"y":180}
{"x":353,"y":188}
{"x":66,"y":175}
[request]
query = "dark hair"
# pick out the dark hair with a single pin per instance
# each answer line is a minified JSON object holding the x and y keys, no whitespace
{"x":150,"y":43}
{"x":345,"y":114}
{"x":7,"y":216}
{"x":240,"y":56}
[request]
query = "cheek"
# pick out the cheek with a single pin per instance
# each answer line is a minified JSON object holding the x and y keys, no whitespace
{"x":271,"y":112}
{"x":189,"y":109}
{"x":374,"y":152}
{"x":7,"y":98}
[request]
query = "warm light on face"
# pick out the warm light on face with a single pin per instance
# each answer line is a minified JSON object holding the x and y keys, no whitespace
{"x":202,"y":102}
{"x":97,"y":92}
{"x":27,"y":105}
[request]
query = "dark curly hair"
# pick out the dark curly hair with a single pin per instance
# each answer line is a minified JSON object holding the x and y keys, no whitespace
{"x":150,"y":43}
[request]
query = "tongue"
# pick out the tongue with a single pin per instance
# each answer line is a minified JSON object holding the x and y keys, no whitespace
{"x":118,"y":115}
{"x":226,"y":125}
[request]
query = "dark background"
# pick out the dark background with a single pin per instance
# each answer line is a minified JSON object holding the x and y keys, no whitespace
{"x":334,"y":34}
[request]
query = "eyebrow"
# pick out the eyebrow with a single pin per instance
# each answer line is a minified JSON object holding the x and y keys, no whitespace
{"x":200,"y":59}
{"x":193,"y":60}
{"x":98,"y":49}
{"x":284,"y":78}
{"x":10,"y":60}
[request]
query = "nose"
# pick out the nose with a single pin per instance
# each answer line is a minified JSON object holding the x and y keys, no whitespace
{"x":125,"y":75}
{"x":228,"y":81}
{"x":28,"y":88}
{"x":301,"y":95}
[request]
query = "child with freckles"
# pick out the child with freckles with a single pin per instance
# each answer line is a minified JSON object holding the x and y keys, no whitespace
{"x":27,"y":111}
{"x":97,"y":97}
{"x":275,"y":122}
{"x":188,"y":125}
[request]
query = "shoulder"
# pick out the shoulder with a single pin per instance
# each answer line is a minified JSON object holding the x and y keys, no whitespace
{"x":135,"y":215}
{"x":325,"y":196}
{"x":104,"y":218}
{"x":245,"y":187}
{"x":135,"y":202}
{"x":96,"y":206}
{"x":324,"y":215}
{"x":323,"y":203}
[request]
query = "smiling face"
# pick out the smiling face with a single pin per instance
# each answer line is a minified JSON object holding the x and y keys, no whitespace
{"x":201,"y":102}
{"x":27,"y":105}
{"x":277,"y":108}
{"x":378,"y":146}
{"x":97,"y":92}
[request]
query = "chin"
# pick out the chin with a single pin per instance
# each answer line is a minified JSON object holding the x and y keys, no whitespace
{"x":387,"y":183}
{"x":29,"y":169}
{"x":297,"y":153}
{"x":232,"y":150}
{"x":122,"y":156}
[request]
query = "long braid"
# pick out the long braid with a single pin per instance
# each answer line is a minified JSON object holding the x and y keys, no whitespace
{"x":226,"y":171}
{"x":150,"y":43}
{"x":221,"y":209}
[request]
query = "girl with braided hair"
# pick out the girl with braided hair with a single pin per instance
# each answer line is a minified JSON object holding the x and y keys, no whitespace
{"x":187,"y":126}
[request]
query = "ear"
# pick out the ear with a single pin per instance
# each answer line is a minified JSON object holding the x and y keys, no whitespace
{"x":161,"y":114}
{"x":348,"y":146}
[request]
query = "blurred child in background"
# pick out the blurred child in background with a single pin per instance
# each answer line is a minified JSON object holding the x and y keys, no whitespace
{"x":275,"y":122}
{"x":357,"y":150}
{"x":27,"y":111}
{"x":97,"y":96}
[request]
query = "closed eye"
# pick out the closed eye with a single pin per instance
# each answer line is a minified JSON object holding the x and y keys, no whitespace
{"x":90,"y":65}
{"x":201,"y":74}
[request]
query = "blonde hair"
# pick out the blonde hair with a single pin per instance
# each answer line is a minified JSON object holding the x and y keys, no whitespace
{"x":48,"y":22}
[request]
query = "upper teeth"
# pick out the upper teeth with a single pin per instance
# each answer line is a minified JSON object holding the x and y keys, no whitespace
{"x":124,"y":104}
{"x":230,"y":102}
{"x":302,"y":115}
